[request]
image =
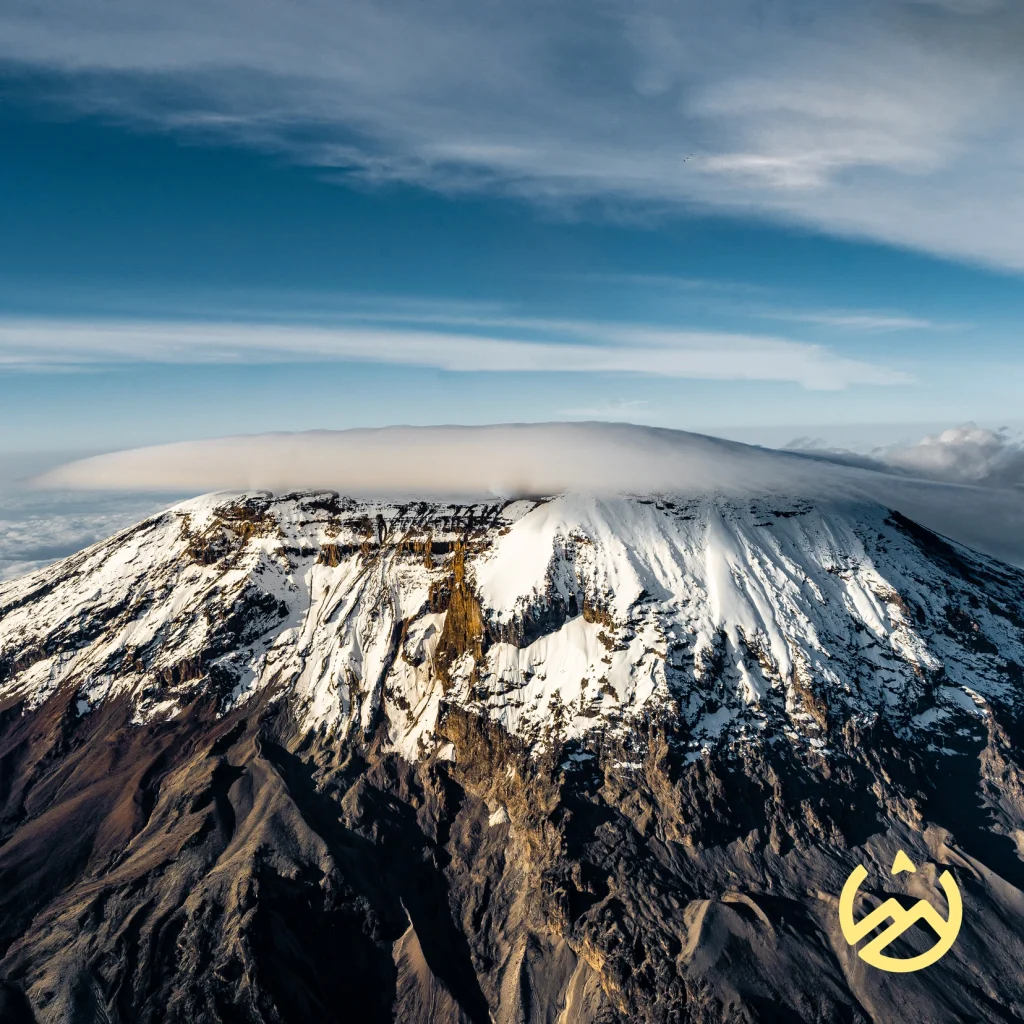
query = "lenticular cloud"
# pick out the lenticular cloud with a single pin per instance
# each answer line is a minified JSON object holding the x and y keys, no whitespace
{"x":458,"y":461}
{"x":474,"y":463}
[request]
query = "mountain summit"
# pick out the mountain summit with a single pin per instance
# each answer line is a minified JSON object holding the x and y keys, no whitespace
{"x":570,"y":757}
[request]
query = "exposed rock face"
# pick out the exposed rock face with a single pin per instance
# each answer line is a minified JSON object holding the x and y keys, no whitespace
{"x":566,"y":760}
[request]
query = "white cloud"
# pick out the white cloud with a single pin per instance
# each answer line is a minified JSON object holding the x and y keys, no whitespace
{"x":542,"y":346}
{"x":506,"y":458}
{"x":896,"y":121}
{"x":967,"y":454}
{"x":854,"y":320}
{"x":509,"y":459}
{"x":36,"y":529}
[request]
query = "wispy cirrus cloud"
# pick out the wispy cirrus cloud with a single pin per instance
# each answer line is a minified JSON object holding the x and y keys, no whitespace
{"x":540,"y":346}
{"x":762,"y":302}
{"x":895,"y":120}
{"x":854,"y":320}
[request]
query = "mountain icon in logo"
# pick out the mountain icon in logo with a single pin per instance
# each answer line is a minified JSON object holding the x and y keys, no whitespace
{"x":946,"y":929}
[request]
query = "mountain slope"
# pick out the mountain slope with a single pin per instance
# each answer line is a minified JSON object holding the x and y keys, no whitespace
{"x":574,"y":758}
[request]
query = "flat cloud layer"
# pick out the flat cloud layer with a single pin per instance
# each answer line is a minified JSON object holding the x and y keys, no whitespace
{"x":37,"y":527}
{"x":529,"y":459}
{"x":896,"y":120}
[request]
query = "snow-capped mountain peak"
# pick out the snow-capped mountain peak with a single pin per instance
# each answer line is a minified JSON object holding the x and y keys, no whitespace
{"x":567,"y":619}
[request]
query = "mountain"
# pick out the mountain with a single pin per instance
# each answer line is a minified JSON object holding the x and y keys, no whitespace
{"x":567,"y":758}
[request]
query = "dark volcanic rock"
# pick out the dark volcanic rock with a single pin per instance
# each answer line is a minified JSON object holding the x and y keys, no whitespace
{"x":237,"y":870}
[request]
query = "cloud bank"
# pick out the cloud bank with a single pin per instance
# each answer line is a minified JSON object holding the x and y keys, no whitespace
{"x":967,"y":454}
{"x":471,"y":463}
{"x":38,"y":527}
{"x":894,"y":120}
{"x":540,"y":346}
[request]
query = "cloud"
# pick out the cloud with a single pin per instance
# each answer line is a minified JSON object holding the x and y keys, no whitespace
{"x":895,"y":120}
{"x":854,"y":320}
{"x":471,"y":463}
{"x":38,"y":528}
{"x":501,"y":459}
{"x":541,"y":346}
{"x":504,"y":458}
{"x":967,"y":454}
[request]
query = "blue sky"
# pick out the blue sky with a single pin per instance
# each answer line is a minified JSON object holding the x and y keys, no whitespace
{"x":763,"y":221}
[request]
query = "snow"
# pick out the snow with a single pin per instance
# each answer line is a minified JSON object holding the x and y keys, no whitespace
{"x":714,"y":610}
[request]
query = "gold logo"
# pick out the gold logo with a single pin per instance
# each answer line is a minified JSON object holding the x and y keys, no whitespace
{"x":853,"y":931}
